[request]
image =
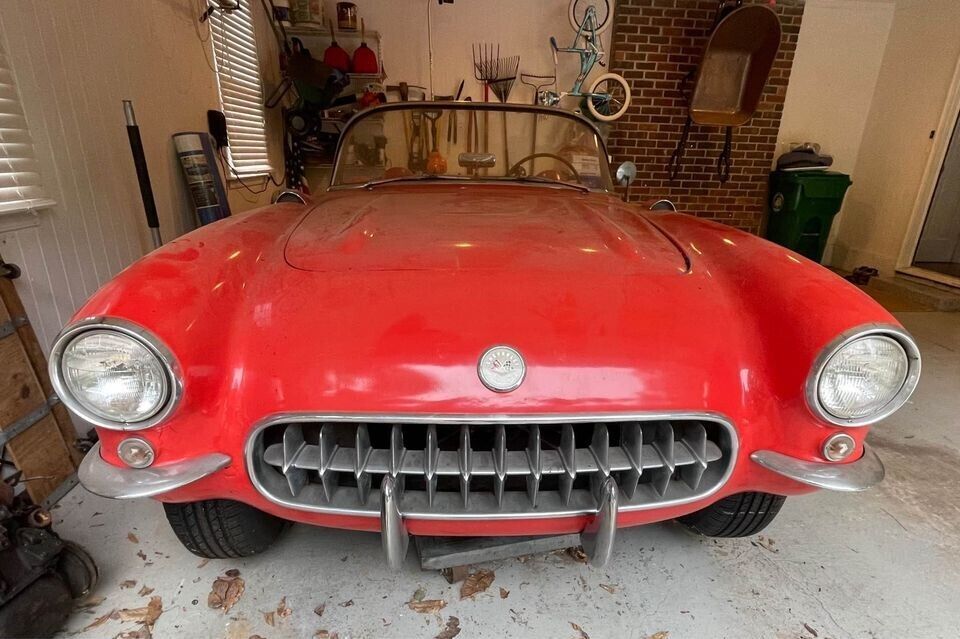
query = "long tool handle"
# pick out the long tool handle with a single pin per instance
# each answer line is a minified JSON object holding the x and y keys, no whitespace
{"x":143,"y":175}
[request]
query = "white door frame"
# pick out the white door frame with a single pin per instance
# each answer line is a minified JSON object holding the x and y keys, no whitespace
{"x":949,"y":120}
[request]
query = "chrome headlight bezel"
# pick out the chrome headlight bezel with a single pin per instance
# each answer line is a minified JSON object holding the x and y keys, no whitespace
{"x":895,"y":333}
{"x":173,"y":378}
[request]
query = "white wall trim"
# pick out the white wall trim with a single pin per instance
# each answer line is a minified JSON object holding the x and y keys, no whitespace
{"x":18,"y":220}
{"x":931,"y":173}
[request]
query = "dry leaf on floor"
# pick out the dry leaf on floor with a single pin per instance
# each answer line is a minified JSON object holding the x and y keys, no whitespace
{"x":91,"y":602}
{"x":663,"y":634}
{"x":504,"y":593}
{"x":269,"y":618}
{"x":143,"y":632}
{"x":426,"y":606}
{"x":766,"y":543}
{"x":611,"y":588}
{"x":203,"y":563}
{"x":99,"y":621}
{"x":142,"y":555}
{"x":583,"y":633}
{"x":147,"y":615}
{"x":226,"y":591}
{"x":133,"y":538}
{"x":255,"y":637}
{"x":476,"y":582}
{"x":325,"y":634}
{"x":347,"y":604}
{"x":145,"y":591}
{"x":419,"y":594}
{"x":810,"y":630}
{"x":577,"y":554}
{"x":451,"y":630}
{"x":282,"y":610}
{"x":318,"y":611}
{"x":128,"y":583}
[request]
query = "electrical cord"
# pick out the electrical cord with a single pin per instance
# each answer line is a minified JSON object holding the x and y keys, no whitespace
{"x":268,"y":178}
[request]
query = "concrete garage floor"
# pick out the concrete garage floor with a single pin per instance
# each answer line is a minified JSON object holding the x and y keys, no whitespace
{"x":885,"y":563}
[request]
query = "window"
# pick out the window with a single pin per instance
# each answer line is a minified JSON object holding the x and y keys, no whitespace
{"x":241,"y":92}
{"x":20,"y":188}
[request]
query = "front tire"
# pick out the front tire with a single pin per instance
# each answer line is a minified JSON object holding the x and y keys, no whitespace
{"x":221,"y":529}
{"x":739,"y":515}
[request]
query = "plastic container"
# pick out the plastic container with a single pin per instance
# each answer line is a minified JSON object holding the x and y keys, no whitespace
{"x":802,"y":205}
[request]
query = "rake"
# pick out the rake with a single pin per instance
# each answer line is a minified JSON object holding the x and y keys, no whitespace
{"x":502,"y":84}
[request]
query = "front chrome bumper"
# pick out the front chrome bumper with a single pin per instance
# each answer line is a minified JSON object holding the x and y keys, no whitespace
{"x":108,"y":480}
{"x":852,"y":477}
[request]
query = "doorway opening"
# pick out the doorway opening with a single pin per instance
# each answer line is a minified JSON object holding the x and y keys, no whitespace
{"x":938,"y":249}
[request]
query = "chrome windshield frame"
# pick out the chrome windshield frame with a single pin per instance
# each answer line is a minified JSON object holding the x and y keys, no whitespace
{"x":463,"y":106}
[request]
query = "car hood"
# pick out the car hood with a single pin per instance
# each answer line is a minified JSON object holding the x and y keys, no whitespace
{"x":453,"y":228}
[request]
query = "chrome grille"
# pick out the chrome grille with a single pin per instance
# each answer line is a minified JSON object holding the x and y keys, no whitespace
{"x":457,"y":466}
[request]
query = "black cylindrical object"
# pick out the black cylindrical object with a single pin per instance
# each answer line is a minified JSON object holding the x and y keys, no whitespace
{"x":143,"y":175}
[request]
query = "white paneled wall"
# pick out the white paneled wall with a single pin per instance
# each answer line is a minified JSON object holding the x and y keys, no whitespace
{"x":75,"y":60}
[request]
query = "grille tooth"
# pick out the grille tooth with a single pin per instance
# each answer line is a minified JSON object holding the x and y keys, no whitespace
{"x":499,"y":462}
{"x":533,"y":460}
{"x":293,"y":445}
{"x":695,"y":440}
{"x":631,"y":441}
{"x":362,"y":451}
{"x":431,"y":455}
{"x":328,"y":448}
{"x":568,"y":448}
{"x":397,"y":451}
{"x":663,"y":444}
{"x":465,"y":459}
{"x":600,"y":448}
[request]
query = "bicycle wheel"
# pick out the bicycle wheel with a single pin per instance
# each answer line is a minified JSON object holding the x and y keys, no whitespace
{"x":578,"y":9}
{"x":609,"y":97}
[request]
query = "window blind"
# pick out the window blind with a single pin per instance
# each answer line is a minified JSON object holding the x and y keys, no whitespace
{"x":241,"y":91}
{"x":20,"y":188}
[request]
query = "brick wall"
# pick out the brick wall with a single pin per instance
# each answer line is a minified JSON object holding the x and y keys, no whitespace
{"x":655,"y":44}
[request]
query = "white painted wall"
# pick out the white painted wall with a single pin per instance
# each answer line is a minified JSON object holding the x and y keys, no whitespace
{"x":835,"y":69}
{"x":839,"y":52}
{"x":74,"y":62}
{"x":918,"y":65}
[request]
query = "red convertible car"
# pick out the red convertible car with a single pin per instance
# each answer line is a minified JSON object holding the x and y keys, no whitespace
{"x":469,"y":333}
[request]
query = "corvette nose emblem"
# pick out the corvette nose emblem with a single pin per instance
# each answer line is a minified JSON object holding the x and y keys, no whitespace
{"x":501,"y":369}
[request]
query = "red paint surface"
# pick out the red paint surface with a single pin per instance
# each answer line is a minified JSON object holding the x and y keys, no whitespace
{"x":397,"y":291}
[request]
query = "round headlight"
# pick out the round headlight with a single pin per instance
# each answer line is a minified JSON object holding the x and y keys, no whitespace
{"x":866,"y":377}
{"x":113,"y":376}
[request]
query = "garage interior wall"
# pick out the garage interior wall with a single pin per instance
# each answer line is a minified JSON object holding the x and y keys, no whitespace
{"x":835,"y":71}
{"x":918,"y":65}
{"x":74,"y":62}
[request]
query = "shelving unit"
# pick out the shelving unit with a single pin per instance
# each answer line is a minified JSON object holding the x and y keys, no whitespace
{"x":317,"y":40}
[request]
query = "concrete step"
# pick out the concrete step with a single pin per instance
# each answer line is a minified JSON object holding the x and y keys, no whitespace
{"x":914,"y":292}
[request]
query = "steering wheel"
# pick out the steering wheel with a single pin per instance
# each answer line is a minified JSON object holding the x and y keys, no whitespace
{"x":515,"y":169}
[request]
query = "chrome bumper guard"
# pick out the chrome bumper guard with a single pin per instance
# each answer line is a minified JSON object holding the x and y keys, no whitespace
{"x":851,"y":477}
{"x":597,"y":539}
{"x":115,"y":482}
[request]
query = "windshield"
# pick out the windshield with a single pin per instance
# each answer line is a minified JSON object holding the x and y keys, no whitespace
{"x":423,"y":140}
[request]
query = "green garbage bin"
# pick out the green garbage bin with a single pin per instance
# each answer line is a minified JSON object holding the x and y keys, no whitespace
{"x":802,"y":207}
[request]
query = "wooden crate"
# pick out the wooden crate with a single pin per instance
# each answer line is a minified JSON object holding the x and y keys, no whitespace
{"x":38,"y":428}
